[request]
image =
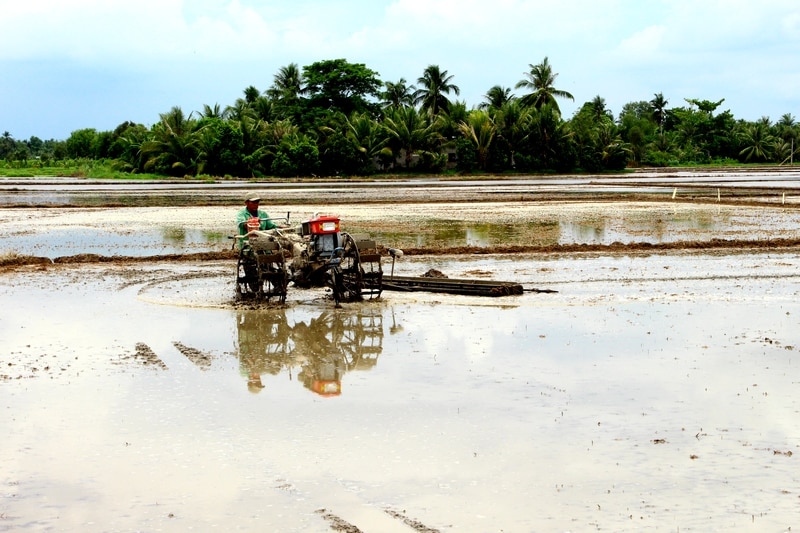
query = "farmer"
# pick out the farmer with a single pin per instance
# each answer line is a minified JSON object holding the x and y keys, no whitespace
{"x":251,"y":211}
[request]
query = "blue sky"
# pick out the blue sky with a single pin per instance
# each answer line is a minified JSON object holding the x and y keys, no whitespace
{"x":72,"y":64}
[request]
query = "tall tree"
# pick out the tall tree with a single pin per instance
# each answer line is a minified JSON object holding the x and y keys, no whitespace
{"x":549,"y":139}
{"x":265,"y":109}
{"x":539,"y":80}
{"x":212,"y":112}
{"x":435,"y":84}
{"x":287,"y":83}
{"x":250,"y":94}
{"x":397,"y":94}
{"x":239,"y":110}
{"x":513,"y":122}
{"x":599,"y":110}
{"x":336,"y":85}
{"x":367,"y":134}
{"x":7,"y":145}
{"x":286,"y":91}
{"x":496,"y":97}
{"x":174,"y":145}
{"x":659,"y":104}
{"x":409,"y":131}
{"x":480,"y":130}
{"x":758,"y":142}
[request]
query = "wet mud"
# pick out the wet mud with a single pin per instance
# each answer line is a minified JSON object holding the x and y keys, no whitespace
{"x":644,"y":384}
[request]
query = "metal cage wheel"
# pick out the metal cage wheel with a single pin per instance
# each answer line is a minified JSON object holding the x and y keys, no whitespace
{"x":347,"y":274}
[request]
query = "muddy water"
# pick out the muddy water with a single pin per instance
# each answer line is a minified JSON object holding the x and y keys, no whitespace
{"x":159,"y":230}
{"x":656,"y":392}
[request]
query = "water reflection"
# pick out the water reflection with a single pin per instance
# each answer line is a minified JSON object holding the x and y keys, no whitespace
{"x":317,"y":352}
{"x":582,"y":232}
{"x":455,"y":233}
{"x":174,"y":235}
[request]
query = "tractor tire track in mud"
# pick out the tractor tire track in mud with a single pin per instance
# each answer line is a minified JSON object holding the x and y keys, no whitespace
{"x":339,"y":524}
{"x":145,"y":355}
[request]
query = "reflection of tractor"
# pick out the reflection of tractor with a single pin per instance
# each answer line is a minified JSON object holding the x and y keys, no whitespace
{"x":320,"y":255}
{"x":323,"y":348}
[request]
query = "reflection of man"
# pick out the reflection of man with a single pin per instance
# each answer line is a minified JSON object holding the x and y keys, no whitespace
{"x":254,"y":383}
{"x":262,"y":345}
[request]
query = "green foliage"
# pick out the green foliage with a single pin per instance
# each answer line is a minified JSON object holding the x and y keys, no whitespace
{"x":409,"y":132}
{"x":435,"y":84}
{"x":325,"y":119}
{"x":336,"y":85}
{"x":222,"y":148}
{"x":654,"y":158}
{"x":466,"y":155}
{"x":300,"y":158}
{"x":480,"y":129}
{"x":433,"y":162}
{"x":539,"y":81}
{"x":82,"y":143}
{"x":339,"y":155}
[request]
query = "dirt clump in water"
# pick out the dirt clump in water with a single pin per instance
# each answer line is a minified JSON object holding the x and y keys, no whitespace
{"x":144,"y":355}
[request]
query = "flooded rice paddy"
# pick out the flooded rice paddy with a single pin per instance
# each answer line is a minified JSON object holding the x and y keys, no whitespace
{"x":651,"y":391}
{"x":169,"y":230}
{"x":647,"y":393}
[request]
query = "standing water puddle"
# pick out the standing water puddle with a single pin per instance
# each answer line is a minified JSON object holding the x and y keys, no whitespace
{"x":155,"y":231}
{"x":653,"y":392}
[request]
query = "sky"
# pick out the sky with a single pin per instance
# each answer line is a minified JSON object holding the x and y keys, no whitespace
{"x":66,"y":65}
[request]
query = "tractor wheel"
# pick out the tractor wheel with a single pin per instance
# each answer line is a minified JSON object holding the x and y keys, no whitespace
{"x":273,"y":277}
{"x":247,"y":285}
{"x":261,"y":275}
{"x":347,"y":275}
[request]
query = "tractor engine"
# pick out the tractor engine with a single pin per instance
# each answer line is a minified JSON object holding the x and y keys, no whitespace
{"x":323,"y":231}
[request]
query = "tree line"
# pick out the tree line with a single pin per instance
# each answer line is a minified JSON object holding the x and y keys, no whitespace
{"x":334,"y":117}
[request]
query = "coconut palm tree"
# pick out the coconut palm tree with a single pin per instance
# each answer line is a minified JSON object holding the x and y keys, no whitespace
{"x":286,"y":91}
{"x":434,"y":85}
{"x":212,"y":112}
{"x":239,"y":110}
{"x":539,"y":80}
{"x":447,"y":122}
{"x":480,"y":129}
{"x":367,"y":134}
{"x":659,"y":104}
{"x":264,"y":109}
{"x":548,"y":136}
{"x":496,"y":97}
{"x":397,"y":94}
{"x":287,"y":84}
{"x":250,"y":94}
{"x":599,"y":110}
{"x":408,"y":131}
{"x":513,"y":122}
{"x":174,"y":146}
{"x":613,"y":151}
{"x":758,"y":142}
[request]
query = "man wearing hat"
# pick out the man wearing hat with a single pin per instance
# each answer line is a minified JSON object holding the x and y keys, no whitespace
{"x":251,"y":211}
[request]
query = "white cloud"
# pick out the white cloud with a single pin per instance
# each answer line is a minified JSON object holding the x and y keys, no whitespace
{"x":192,"y":52}
{"x":130,"y":33}
{"x":643,"y":45}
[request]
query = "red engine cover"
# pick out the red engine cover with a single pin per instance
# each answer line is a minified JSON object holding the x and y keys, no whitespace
{"x":321,"y":225}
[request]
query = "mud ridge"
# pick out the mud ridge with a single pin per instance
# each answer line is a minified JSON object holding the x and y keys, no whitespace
{"x":616,"y":247}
